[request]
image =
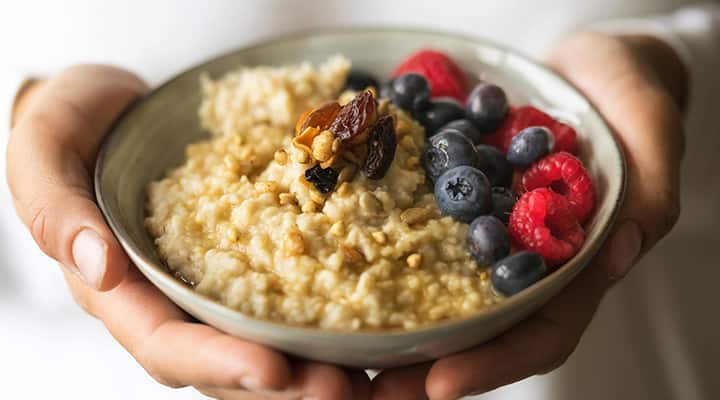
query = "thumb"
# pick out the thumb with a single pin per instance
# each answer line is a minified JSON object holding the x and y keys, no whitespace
{"x":50,"y":159}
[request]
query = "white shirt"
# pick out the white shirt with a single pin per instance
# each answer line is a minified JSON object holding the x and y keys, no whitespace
{"x":655,"y":335}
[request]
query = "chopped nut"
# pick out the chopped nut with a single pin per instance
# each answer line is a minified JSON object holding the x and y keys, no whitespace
{"x":369,"y":203}
{"x":415,"y":215}
{"x":302,"y":156}
{"x":412,"y":162}
{"x":294,"y":245}
{"x":414,"y":260}
{"x":379,"y":237}
{"x":484,"y":276}
{"x":343,"y":190}
{"x":267,"y":187}
{"x":281,"y":157}
{"x":232,"y":234}
{"x":231,"y":163}
{"x":383,"y":106}
{"x":347,"y":173}
{"x":336,"y":145}
{"x":309,"y":207}
{"x":402,"y":127}
{"x":247,"y":153}
{"x":287,"y":198}
{"x":408,"y":144}
{"x":351,"y":254}
{"x":316,"y":197}
{"x":322,"y":146}
{"x":337,"y":229}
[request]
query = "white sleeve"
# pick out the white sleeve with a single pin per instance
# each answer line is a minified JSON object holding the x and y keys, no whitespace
{"x":10,"y":84}
{"x":694,"y":33}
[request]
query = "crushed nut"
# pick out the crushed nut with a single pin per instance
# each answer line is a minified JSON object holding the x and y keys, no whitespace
{"x":267,"y":187}
{"x":383,"y":106}
{"x":232,"y":234}
{"x":337,"y":229}
{"x":309,"y":207}
{"x":281,"y":157}
{"x":294,"y":245}
{"x":484,"y":276}
{"x":343,"y":190}
{"x":415,"y":215}
{"x":414,"y":260}
{"x":287,"y":198}
{"x":317,"y":198}
{"x":408,"y":144}
{"x":369,"y":203}
{"x":347,"y":173}
{"x":402,"y":127}
{"x":412,"y":162}
{"x":302,"y":156}
{"x":351,"y":254}
{"x":379,"y":237}
{"x":336,"y":145}
{"x":322,"y":146}
{"x":231,"y":163}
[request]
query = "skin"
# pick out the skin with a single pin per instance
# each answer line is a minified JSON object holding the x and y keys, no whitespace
{"x":637,"y":83}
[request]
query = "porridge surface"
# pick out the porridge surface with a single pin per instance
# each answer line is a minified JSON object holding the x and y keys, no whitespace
{"x":238,"y":220}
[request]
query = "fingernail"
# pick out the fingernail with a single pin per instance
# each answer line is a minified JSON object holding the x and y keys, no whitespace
{"x":89,"y":253}
{"x":250,"y":383}
{"x":626,"y":246}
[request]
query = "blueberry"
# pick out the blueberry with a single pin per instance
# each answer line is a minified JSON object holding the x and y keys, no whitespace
{"x":439,"y":113}
{"x":487,"y":106}
{"x":503,"y":200}
{"x":446,"y":150}
{"x":466,"y":127}
{"x":494,"y":165}
{"x":528,"y":146}
{"x":463,"y":193}
{"x":488,"y":240}
{"x":411,"y":92}
{"x":514,"y":273}
{"x":358,"y":80}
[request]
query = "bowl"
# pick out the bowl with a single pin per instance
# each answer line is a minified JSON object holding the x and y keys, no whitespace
{"x":151,"y":136}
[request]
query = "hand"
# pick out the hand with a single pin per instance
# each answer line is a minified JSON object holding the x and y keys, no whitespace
{"x":638,"y":84}
{"x":51,"y":154}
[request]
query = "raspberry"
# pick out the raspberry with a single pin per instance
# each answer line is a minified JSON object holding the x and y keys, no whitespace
{"x":445,"y":77}
{"x":543,"y":222}
{"x":523,"y":117}
{"x":565,"y":174}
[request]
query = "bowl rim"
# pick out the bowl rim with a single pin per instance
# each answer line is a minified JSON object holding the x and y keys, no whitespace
{"x":179,"y":288}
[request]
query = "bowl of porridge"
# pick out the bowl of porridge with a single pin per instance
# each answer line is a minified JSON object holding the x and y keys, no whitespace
{"x":265,"y":198}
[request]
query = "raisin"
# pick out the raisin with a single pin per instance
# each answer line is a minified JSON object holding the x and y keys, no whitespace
{"x":352,"y":122}
{"x":381,"y":148}
{"x":320,"y":117}
{"x":324,"y":179}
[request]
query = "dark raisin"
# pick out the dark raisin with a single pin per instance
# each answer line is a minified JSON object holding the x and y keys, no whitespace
{"x":324,"y":179}
{"x":381,"y":148}
{"x":352,"y":122}
{"x":320,"y":117}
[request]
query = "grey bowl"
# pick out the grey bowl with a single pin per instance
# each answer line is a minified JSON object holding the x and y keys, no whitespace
{"x":151,"y":137}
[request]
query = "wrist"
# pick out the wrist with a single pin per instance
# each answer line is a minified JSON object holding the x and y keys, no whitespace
{"x":671,"y":72}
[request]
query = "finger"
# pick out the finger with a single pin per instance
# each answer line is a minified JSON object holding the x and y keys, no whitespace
{"x":645,"y":118}
{"x":50,"y":156}
{"x":241,"y":394}
{"x":175,"y":351}
{"x":541,"y":343}
{"x":321,"y":381}
{"x":401,"y":383}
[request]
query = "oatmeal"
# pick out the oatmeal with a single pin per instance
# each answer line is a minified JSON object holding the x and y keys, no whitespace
{"x":284,"y":219}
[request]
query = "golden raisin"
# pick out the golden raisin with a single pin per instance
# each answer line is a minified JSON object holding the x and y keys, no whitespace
{"x":320,"y":117}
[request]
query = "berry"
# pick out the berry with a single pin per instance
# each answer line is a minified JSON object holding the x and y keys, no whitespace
{"x":493,"y":163}
{"x":446,"y":150}
{"x":409,"y":92}
{"x":466,"y":128}
{"x":528,"y":146}
{"x":358,"y":80}
{"x":543,"y":222}
{"x":488,"y":240}
{"x":503,"y":200}
{"x":439,"y":113}
{"x":563,"y":173}
{"x":517,"y":272}
{"x":565,"y":137}
{"x":487,"y":106}
{"x":463,"y":193}
{"x":446,"y":78}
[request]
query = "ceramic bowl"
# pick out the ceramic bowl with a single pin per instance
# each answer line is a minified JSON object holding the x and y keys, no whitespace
{"x":151,"y":137}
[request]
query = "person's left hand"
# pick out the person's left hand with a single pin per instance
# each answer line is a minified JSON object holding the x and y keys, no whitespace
{"x":638,"y":84}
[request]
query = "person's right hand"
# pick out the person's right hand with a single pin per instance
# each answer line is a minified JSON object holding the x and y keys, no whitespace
{"x":59,"y":126}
